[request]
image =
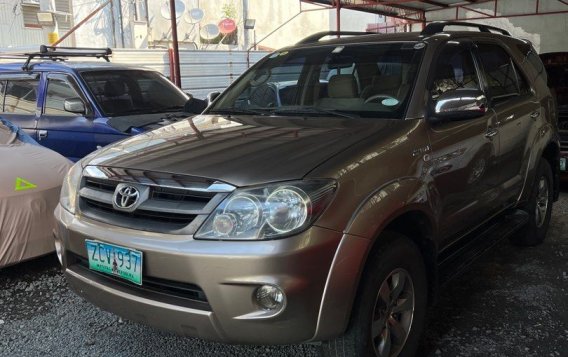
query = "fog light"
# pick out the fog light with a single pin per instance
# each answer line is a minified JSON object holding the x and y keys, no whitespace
{"x":269,"y":297}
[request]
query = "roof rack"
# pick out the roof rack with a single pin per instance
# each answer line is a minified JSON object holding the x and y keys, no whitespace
{"x":319,"y":35}
{"x":62,"y":53}
{"x":438,"y":26}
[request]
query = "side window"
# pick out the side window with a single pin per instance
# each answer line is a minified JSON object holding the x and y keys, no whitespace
{"x":60,"y":88}
{"x":503,"y":78}
{"x":454,"y":69}
{"x":21,"y":96}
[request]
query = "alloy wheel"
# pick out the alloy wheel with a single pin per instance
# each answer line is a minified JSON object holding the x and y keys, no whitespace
{"x":393,"y":314}
{"x":541,"y":202}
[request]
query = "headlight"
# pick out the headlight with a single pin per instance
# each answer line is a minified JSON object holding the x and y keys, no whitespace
{"x":71,"y":182}
{"x":268,"y":212}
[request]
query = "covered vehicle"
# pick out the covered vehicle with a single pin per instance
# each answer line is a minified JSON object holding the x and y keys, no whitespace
{"x":30,"y":181}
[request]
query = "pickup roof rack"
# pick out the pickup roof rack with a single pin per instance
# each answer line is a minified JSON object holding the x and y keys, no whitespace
{"x":62,"y":53}
{"x":438,"y":26}
{"x":319,"y":35}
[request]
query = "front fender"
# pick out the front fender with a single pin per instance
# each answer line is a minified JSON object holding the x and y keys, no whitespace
{"x":371,"y":217}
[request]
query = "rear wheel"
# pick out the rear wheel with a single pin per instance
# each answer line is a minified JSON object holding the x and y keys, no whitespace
{"x":389,"y":312}
{"x":539,"y":208}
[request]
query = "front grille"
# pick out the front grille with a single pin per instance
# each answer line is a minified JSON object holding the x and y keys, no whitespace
{"x":190,"y":293}
{"x":174,"y":204}
{"x":176,"y":221}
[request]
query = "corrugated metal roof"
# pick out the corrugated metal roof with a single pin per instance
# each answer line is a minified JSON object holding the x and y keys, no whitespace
{"x":411,"y":9}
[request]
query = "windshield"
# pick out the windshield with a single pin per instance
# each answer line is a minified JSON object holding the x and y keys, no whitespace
{"x":372,"y":81}
{"x":129,"y":92}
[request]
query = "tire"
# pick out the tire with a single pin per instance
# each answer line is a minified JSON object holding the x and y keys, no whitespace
{"x":539,"y":208}
{"x":398,"y":257}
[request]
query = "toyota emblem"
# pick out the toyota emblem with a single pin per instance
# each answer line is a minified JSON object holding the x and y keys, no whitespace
{"x":126,"y":197}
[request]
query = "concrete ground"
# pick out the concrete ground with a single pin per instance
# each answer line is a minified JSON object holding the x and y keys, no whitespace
{"x":513,"y":302}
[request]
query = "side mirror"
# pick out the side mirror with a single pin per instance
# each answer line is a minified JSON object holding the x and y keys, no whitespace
{"x":460,"y":104}
{"x":211,"y":97}
{"x":194,"y":105}
{"x":74,"y":105}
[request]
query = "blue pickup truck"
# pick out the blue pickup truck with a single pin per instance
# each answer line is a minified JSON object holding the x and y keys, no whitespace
{"x":76,"y":107}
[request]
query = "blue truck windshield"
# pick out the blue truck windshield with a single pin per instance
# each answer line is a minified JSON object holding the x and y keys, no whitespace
{"x":132,"y":92}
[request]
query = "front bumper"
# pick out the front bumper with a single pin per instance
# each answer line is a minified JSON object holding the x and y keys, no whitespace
{"x":228,"y":273}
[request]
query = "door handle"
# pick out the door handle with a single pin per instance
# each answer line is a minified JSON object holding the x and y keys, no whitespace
{"x":535,"y":115}
{"x":42,"y":134}
{"x":491,"y":132}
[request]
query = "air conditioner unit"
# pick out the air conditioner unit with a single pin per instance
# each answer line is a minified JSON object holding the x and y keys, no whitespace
{"x":30,"y":2}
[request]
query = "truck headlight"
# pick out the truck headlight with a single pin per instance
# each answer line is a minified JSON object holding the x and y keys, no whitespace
{"x":268,"y":212}
{"x":72,"y":180}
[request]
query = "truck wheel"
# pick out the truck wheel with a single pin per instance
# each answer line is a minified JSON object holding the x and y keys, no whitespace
{"x":539,"y":208}
{"x":389,"y":312}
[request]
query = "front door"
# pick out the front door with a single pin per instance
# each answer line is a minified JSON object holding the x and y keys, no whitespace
{"x":464,"y":152}
{"x":72,"y":134}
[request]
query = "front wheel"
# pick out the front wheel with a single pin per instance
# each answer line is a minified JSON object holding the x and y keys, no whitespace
{"x":389,"y":312}
{"x":539,"y":208}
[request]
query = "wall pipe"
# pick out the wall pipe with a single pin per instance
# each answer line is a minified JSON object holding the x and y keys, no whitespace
{"x":80,"y":23}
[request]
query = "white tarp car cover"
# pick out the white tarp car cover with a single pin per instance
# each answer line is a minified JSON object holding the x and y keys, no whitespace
{"x":30,"y":181}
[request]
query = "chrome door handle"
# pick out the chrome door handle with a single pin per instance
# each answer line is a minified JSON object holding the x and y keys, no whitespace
{"x":42,"y":134}
{"x":535,"y":115}
{"x":491,"y":133}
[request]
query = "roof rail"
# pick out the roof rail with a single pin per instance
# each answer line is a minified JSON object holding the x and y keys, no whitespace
{"x":61,"y":53}
{"x":319,"y":35}
{"x":438,"y":26}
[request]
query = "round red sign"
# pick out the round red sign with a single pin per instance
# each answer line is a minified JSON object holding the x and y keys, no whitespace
{"x":227,"y":26}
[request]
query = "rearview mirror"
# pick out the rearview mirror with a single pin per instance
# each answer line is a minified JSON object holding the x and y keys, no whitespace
{"x":460,"y":104}
{"x":212,"y":96}
{"x":74,"y":105}
{"x":194,"y":105}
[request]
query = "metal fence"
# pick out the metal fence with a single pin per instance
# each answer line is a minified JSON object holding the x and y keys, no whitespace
{"x":202,"y":72}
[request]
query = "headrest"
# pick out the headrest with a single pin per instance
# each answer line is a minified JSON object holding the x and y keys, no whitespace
{"x":115,"y":88}
{"x":342,"y":86}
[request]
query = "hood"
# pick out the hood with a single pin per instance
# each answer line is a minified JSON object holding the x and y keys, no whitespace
{"x":241,"y":151}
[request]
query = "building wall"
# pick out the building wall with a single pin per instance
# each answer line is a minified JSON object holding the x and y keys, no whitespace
{"x":269,"y":15}
{"x":15,"y":35}
{"x":546,"y":32}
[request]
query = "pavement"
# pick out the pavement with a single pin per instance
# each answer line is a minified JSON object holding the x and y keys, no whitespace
{"x":512,"y":302}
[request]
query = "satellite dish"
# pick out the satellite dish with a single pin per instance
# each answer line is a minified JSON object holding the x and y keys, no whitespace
{"x":194,"y":16}
{"x":165,"y":9}
{"x":209,"y":32}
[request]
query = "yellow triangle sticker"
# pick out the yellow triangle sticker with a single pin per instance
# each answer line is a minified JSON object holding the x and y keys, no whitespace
{"x":22,"y":185}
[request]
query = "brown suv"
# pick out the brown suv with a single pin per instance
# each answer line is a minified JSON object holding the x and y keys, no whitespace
{"x":324,"y":196}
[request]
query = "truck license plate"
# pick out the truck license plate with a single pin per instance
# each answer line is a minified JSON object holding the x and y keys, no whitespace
{"x":114,"y":260}
{"x":562,"y":164}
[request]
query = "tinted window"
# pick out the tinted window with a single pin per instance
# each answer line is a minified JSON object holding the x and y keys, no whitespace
{"x":59,"y":88}
{"x":131,"y":92}
{"x":454,"y":69}
{"x":503,"y":80}
{"x":21,"y":96}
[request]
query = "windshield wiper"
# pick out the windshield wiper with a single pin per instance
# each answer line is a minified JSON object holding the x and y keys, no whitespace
{"x":229,"y":111}
{"x":315,"y":110}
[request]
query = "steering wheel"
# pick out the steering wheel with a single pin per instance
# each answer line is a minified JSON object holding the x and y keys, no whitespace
{"x":379,"y":96}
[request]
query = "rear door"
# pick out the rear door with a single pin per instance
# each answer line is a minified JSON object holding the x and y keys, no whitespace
{"x":464,"y":152}
{"x":73,"y":135}
{"x":19,"y":100}
{"x":517,"y":110}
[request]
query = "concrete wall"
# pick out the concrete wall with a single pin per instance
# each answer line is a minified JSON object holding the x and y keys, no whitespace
{"x":548,"y":33}
{"x":14,"y":35}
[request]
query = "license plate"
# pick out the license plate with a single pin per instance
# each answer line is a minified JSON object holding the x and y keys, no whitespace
{"x":562,"y":164}
{"x":114,"y":260}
